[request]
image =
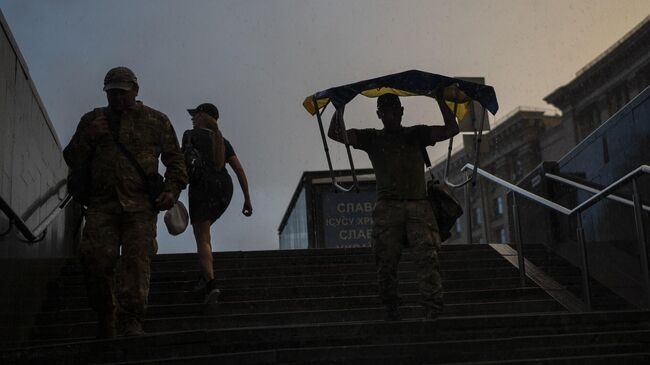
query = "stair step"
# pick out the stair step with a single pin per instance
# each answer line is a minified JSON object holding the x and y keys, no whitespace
{"x":537,"y":330}
{"x":87,"y":329}
{"x":246,"y":294}
{"x":642,"y":357}
{"x":321,"y":303}
{"x":451,"y":250}
{"x":343,"y":268}
{"x":302,"y":280}
{"x":406,"y":354}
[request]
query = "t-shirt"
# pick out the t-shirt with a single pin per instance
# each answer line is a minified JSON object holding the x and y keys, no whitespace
{"x":397,"y":160}
{"x":229,"y":150}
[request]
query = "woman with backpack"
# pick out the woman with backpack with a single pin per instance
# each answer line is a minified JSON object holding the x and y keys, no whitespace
{"x":210,"y":188}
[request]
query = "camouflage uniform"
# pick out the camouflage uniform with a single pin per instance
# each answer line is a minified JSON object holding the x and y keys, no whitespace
{"x":403,"y":217}
{"x":398,"y":223}
{"x":119,"y":213}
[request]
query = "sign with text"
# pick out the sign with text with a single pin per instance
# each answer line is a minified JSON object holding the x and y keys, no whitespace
{"x":347,"y":218}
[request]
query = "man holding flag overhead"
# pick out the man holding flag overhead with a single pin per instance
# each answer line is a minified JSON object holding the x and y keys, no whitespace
{"x":402,"y":215}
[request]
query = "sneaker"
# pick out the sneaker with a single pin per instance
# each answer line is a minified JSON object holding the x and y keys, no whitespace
{"x":200,"y":285}
{"x":212,"y":293}
{"x":392,"y":313}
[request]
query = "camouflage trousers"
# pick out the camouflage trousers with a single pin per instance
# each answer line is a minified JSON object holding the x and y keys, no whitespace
{"x":114,"y":280}
{"x":407,"y":223}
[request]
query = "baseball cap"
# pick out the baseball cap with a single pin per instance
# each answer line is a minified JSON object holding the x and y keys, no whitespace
{"x":120,"y":78}
{"x":388,"y":100}
{"x":207,"y":108}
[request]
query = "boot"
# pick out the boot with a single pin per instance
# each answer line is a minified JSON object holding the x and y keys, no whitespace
{"x":105,"y":325}
{"x":132,"y":327}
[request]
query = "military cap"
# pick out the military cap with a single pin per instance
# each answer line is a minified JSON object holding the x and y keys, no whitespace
{"x":207,"y":108}
{"x":120,"y":78}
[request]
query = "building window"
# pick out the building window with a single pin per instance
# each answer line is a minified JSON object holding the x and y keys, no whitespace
{"x":595,"y":115}
{"x":519,"y":170}
{"x":502,"y":235}
{"x":499,"y":206}
{"x":458,"y":227}
{"x":478,"y":216}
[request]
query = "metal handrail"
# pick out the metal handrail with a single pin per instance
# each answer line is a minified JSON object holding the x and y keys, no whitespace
{"x":643,"y":169}
{"x":39,"y":232}
{"x":578,"y":185}
{"x":577,"y":211}
{"x":523,"y":192}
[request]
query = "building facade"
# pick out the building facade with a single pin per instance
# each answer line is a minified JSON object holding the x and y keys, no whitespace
{"x":511,"y":150}
{"x":528,"y":136}
{"x":605,"y":85}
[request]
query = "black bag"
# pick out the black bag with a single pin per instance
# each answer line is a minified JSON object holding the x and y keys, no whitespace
{"x":194,"y":160}
{"x":154,"y":183}
{"x":155,"y":186}
{"x":80,"y":180}
{"x":445,"y":207}
{"x":79,"y":183}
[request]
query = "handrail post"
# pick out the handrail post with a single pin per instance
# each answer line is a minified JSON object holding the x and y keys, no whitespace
{"x":329,"y":158}
{"x":586,"y":290}
{"x":322,"y":135}
{"x":468,"y":213}
{"x":640,"y":236}
{"x":519,"y":243}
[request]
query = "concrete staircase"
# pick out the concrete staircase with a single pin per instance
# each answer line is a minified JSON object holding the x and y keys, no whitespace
{"x":321,"y":307}
{"x":570,"y":278}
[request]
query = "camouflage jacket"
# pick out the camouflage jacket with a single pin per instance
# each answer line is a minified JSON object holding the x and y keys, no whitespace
{"x":116,"y":184}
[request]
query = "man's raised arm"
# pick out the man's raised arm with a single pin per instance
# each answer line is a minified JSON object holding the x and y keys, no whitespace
{"x":337,"y":130}
{"x":451,"y":127}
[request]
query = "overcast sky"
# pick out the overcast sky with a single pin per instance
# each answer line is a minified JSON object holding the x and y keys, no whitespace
{"x":257,"y":61}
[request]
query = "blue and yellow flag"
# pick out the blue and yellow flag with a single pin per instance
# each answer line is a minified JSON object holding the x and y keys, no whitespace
{"x":457,"y":93}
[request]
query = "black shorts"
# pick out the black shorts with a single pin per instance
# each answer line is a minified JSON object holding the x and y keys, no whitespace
{"x":210,"y":196}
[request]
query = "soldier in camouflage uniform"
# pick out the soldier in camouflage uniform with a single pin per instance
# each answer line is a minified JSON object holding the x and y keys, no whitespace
{"x":402,"y":215}
{"x":119,"y":212}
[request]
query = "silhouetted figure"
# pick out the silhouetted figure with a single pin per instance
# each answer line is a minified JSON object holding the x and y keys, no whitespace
{"x":120,"y":211}
{"x":206,"y":153}
{"x":402,"y":215}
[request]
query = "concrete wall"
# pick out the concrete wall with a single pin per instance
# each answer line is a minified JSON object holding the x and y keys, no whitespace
{"x":32,"y":182}
{"x":31,"y":163}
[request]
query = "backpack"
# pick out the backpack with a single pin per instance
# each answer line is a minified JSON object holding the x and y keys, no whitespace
{"x":194,"y":160}
{"x":80,"y":179}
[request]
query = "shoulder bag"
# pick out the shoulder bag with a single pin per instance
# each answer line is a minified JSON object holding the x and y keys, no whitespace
{"x":445,"y":207}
